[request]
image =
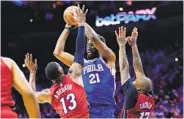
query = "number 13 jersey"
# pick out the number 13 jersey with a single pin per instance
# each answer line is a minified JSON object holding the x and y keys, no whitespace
{"x":69,"y":99}
{"x":99,"y":83}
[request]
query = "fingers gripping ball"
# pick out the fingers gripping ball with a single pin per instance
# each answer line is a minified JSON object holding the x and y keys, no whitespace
{"x":69,"y":15}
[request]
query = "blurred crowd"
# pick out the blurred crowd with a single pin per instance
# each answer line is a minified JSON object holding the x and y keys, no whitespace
{"x":165,"y":70}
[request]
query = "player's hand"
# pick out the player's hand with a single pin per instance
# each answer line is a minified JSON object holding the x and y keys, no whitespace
{"x":28,"y":61}
{"x":81,"y":15}
{"x":121,"y":36}
{"x":133,"y":40}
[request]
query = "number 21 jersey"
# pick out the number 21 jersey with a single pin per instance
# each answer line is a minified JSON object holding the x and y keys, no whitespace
{"x":99,"y":83}
{"x":69,"y":99}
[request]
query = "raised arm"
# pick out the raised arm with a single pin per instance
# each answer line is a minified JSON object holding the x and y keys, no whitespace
{"x":59,"y":53}
{"x":77,"y":67}
{"x":104,"y":51}
{"x":22,"y":86}
{"x":43,"y":96}
{"x":137,"y":63}
{"x":123,"y":62}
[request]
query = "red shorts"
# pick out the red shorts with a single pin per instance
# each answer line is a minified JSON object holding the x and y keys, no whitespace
{"x":7,"y":112}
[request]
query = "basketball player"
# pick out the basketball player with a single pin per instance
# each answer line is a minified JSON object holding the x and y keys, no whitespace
{"x":138,"y":102}
{"x":67,"y":95}
{"x":98,"y":72}
{"x":12,"y":76}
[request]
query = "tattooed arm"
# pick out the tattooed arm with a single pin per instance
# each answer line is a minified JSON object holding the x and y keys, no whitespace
{"x":137,"y":63}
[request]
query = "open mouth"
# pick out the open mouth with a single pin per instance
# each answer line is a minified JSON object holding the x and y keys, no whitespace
{"x":89,"y":52}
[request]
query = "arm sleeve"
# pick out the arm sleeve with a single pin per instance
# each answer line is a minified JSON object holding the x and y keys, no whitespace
{"x":80,"y":46}
{"x":130,"y":94}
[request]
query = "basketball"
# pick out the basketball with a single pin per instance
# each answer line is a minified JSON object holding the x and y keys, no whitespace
{"x":69,"y":15}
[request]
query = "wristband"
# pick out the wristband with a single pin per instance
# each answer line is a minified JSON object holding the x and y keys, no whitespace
{"x":70,"y":28}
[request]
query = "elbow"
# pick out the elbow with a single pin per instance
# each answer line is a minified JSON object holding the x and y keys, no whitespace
{"x":57,"y":53}
{"x":60,"y":55}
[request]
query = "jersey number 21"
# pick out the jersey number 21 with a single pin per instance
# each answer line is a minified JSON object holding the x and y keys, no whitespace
{"x":94,"y":78}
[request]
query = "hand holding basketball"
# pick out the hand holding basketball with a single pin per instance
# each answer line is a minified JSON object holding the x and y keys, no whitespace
{"x":81,"y":15}
{"x":71,"y":13}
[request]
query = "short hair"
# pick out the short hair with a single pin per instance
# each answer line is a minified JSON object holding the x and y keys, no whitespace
{"x":52,"y":71}
{"x":144,"y":84}
{"x":101,"y":38}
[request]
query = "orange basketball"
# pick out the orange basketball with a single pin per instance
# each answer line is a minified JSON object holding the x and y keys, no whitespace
{"x":69,"y":15}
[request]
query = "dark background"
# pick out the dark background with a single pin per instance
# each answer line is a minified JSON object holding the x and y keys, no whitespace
{"x":160,"y":41}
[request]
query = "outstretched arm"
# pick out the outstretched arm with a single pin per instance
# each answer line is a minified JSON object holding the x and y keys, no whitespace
{"x":123,"y":62}
{"x":104,"y":51}
{"x":22,"y":86}
{"x":137,"y":63}
{"x":59,"y":53}
{"x":43,"y":96}
{"x":77,"y":67}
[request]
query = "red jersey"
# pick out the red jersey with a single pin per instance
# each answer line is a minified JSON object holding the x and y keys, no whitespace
{"x":144,"y":105}
{"x":6,"y":85}
{"x":69,"y":99}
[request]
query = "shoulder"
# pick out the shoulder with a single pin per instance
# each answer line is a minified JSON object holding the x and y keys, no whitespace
{"x":109,"y":64}
{"x":7,"y":59}
{"x":128,"y":87}
{"x":129,"y":82}
{"x":9,"y":62}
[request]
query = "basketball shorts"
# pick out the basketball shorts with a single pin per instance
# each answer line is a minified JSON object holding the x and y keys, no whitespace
{"x":102,"y":112}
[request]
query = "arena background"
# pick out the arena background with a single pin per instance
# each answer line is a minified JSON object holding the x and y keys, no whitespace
{"x":34,"y":27}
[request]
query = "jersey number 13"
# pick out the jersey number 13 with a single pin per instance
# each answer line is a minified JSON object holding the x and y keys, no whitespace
{"x":73,"y":104}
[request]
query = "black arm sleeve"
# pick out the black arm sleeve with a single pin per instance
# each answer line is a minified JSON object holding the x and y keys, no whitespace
{"x":80,"y":46}
{"x":130,"y":94}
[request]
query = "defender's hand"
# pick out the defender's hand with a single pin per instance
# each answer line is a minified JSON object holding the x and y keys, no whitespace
{"x":81,"y":15}
{"x":133,"y":40}
{"x":121,"y":36}
{"x":28,"y":61}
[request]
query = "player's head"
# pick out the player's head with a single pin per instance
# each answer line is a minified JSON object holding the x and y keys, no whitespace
{"x":54,"y":72}
{"x":143,"y":84}
{"x":92,"y":52}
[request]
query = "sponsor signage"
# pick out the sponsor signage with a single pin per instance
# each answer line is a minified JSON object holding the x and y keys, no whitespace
{"x":126,"y":17}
